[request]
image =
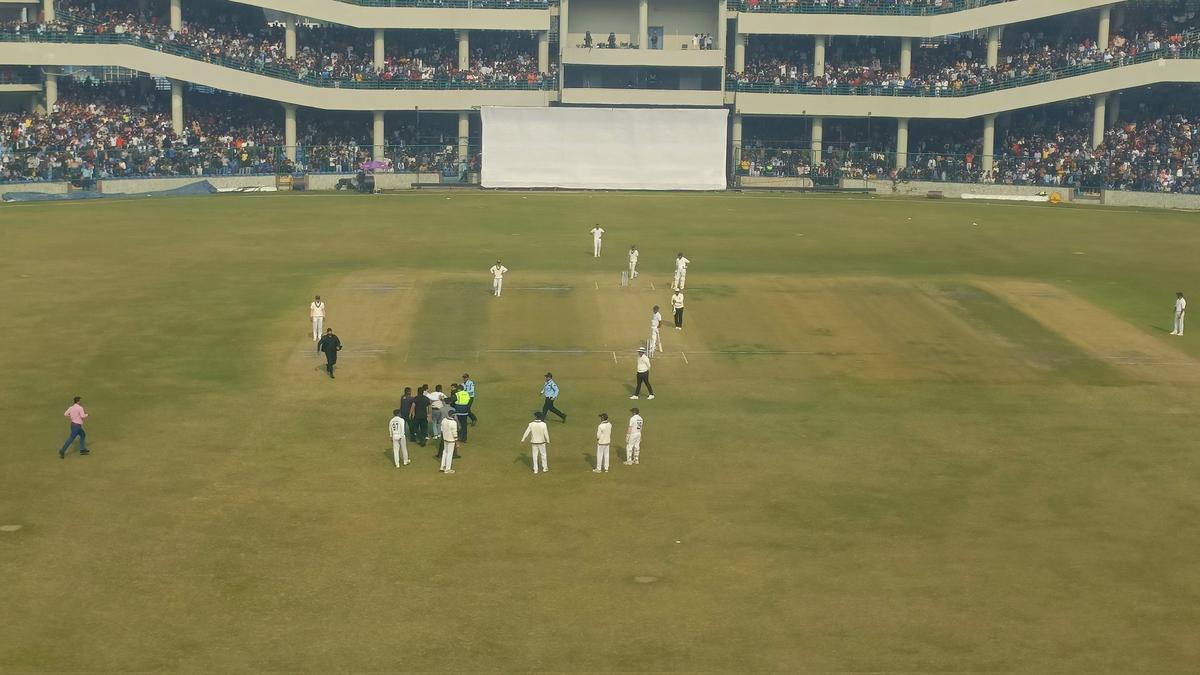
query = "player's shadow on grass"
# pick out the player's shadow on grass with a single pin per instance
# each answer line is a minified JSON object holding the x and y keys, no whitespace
{"x":525,"y":460}
{"x":1160,"y":329}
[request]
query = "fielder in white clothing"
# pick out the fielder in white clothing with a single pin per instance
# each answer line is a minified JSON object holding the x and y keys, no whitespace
{"x":633,"y":257}
{"x":449,"y":440}
{"x":597,"y":237}
{"x":633,"y":438}
{"x":1180,"y":309}
{"x":316,"y":312}
{"x":397,"y":432}
{"x":681,"y":265}
{"x":538,"y":436}
{"x":603,"y":443}
{"x":655,"y":336}
{"x":497,"y":271}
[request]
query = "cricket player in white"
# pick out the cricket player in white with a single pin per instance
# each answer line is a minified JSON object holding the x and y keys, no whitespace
{"x":655,"y":336}
{"x":633,"y":256}
{"x":633,"y":438}
{"x":603,"y":443}
{"x":399,"y":438}
{"x":1180,"y":309}
{"x":677,"y":307}
{"x":498,"y":271}
{"x":681,"y":264}
{"x":316,"y":312}
{"x":449,"y":439}
{"x":538,"y":436}
{"x":597,"y":236}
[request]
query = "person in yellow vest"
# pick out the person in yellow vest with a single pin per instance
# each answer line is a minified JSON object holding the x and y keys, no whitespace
{"x":462,"y":408}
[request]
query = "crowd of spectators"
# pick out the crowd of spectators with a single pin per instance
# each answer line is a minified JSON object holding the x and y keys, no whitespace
{"x":113,"y":131}
{"x":1150,"y":152}
{"x":961,"y":64}
{"x":326,"y":55}
{"x":861,"y":6}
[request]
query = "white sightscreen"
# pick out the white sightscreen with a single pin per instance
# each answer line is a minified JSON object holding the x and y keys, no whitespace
{"x":604,"y":148}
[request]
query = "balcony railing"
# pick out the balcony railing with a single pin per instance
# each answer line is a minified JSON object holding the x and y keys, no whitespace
{"x":544,"y":82}
{"x":453,"y":4}
{"x":1191,"y":52}
{"x":878,"y":7}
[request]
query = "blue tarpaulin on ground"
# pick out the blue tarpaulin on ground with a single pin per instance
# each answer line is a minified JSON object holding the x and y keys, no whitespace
{"x":201,"y":187}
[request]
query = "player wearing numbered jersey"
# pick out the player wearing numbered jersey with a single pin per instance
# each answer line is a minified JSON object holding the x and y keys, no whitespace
{"x":449,"y":438}
{"x":399,"y":434}
{"x":538,"y":435}
{"x":597,"y":239}
{"x":633,"y":438}
{"x":603,"y":443}
{"x":655,"y":341}
{"x":498,"y":271}
{"x":681,"y":265}
{"x":1180,"y":309}
{"x":316,"y":312}
{"x":633,"y":258}
{"x":677,"y":305}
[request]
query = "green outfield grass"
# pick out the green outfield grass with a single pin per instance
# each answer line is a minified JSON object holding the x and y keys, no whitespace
{"x":894,"y":436}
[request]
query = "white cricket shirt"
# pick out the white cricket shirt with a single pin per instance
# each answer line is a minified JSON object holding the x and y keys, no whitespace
{"x":635,"y":425}
{"x":597,"y":233}
{"x":1180,"y":305}
{"x":316,"y":309}
{"x":396,"y":428}
{"x":604,"y":433}
{"x":498,"y":271}
{"x":537,"y":433}
{"x":677,"y":301}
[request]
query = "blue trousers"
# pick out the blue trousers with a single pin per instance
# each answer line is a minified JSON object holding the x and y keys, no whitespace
{"x":76,"y":431}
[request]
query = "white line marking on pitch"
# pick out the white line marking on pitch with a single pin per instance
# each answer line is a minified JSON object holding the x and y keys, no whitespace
{"x":597,"y":284}
{"x":685,"y":358}
{"x":614,"y":357}
{"x":652,"y":286}
{"x":542,"y":288}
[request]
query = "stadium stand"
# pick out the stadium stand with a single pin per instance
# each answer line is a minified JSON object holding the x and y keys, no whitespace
{"x":1042,"y":93}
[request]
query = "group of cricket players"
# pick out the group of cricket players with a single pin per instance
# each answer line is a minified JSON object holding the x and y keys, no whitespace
{"x":431,"y":414}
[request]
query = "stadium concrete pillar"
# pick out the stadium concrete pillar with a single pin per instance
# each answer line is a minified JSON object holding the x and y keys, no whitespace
{"x":905,"y":57}
{"x":289,"y":36}
{"x":464,"y":135}
{"x":818,"y":136}
{"x":735,"y":136}
{"x":993,"y":46}
{"x":543,"y":51}
{"x":1103,"y":29}
{"x":643,"y":37}
{"x":51,"y":90}
{"x":739,"y":52}
{"x":177,"y":106}
{"x":176,"y":14}
{"x":289,"y":131}
{"x":1099,"y":102}
{"x":380,"y":49}
{"x":819,"y":55}
{"x":563,"y":7}
{"x":989,"y":143}
{"x":48,"y":10}
{"x":378,"y":136}
{"x":464,"y":50}
{"x":902,"y":143}
{"x":1114,"y":110}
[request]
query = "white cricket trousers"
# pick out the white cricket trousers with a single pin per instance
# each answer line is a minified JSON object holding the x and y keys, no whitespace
{"x":602,"y":457}
{"x":497,"y":284}
{"x":539,"y":450}
{"x":318,"y":327}
{"x":1179,"y":322}
{"x":400,"y":450}
{"x":633,"y":448}
{"x":655,"y":342}
{"x":680,"y":279}
{"x":447,"y":455}
{"x":632,"y":270}
{"x":595,"y":248}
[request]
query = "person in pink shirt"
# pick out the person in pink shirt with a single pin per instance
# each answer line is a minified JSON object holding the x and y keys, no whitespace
{"x":77,"y":415}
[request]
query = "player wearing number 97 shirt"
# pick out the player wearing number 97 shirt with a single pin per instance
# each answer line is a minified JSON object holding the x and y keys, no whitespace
{"x":633,"y":438}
